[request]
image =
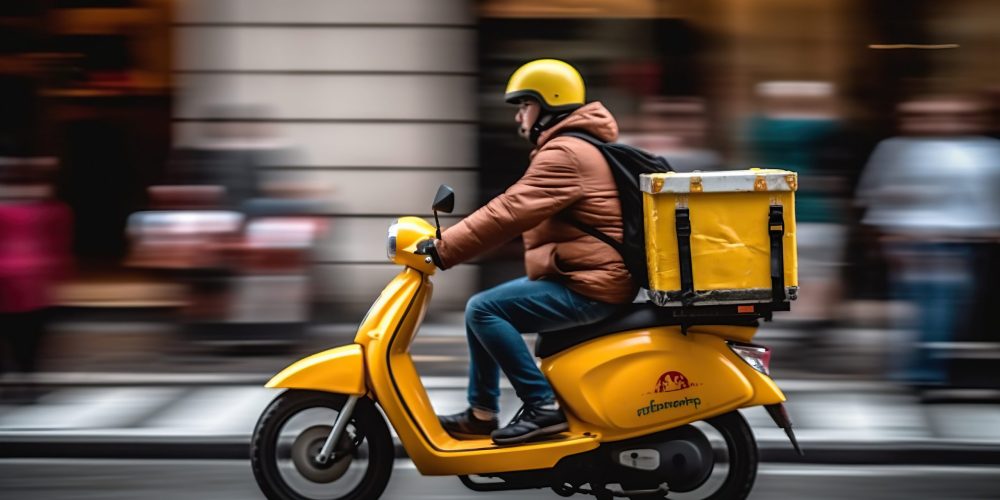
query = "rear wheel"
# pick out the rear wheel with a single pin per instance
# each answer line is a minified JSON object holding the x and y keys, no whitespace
{"x":294,"y":428}
{"x":735,"y":466}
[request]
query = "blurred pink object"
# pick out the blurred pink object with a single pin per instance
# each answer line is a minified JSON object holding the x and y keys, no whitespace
{"x":34,"y":253}
{"x":182,"y":239}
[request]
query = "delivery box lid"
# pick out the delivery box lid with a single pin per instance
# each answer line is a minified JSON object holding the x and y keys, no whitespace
{"x":728,"y":181}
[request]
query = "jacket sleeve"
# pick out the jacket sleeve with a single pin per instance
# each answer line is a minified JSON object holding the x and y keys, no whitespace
{"x":551,"y":183}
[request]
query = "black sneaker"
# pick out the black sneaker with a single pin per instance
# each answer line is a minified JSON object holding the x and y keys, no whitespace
{"x":465,"y":425}
{"x":530,"y":423}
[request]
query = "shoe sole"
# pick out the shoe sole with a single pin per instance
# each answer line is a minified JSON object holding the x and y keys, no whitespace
{"x":542,"y":432}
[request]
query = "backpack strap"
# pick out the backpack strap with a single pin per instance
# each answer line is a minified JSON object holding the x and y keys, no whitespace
{"x":593,"y":231}
{"x":596,"y":233}
{"x":583,"y":135}
{"x":776,"y":233}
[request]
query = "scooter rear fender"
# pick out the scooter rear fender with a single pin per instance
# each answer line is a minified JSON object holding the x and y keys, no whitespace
{"x":340,"y":370}
{"x":765,"y":390}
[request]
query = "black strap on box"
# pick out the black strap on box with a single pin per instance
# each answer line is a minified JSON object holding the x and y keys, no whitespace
{"x":682,"y":219}
{"x":776,"y":232}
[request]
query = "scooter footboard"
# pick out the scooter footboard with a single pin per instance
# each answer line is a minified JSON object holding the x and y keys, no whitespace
{"x":340,"y":370}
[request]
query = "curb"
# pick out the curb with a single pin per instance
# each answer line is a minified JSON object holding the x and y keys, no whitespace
{"x":233,"y":447}
{"x":897,"y":453}
{"x":177,"y":449}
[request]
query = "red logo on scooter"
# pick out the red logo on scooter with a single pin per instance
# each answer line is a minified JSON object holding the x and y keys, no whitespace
{"x":672,"y":381}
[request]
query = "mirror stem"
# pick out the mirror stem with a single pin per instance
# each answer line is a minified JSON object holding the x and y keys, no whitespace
{"x":437,"y":224}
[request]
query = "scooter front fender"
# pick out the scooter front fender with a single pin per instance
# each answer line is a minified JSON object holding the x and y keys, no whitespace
{"x":340,"y":370}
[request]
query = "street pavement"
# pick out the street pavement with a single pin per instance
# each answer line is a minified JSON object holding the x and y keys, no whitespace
{"x":110,"y":408}
{"x":838,"y":422}
{"x":75,"y":479}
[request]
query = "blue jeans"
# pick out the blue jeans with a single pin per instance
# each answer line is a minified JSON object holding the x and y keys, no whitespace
{"x":494,"y":322}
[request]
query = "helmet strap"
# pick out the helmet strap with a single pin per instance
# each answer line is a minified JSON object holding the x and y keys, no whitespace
{"x":545,"y":121}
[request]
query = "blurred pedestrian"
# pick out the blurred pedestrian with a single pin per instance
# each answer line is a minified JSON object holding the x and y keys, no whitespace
{"x":675,"y":128}
{"x":790,"y":130}
{"x":230,"y":154}
{"x":35,"y":234}
{"x":932,"y":193}
{"x":273,"y":290}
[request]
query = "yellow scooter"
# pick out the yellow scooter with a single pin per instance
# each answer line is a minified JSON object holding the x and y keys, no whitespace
{"x":651,"y":396}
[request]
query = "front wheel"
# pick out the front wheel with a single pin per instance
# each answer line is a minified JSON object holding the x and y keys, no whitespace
{"x":291,"y":432}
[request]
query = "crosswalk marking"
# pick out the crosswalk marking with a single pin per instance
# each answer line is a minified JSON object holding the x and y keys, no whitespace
{"x":91,"y":408}
{"x":215,"y":410}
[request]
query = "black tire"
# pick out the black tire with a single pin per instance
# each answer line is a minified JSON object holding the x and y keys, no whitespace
{"x":741,"y":457}
{"x":366,"y":420}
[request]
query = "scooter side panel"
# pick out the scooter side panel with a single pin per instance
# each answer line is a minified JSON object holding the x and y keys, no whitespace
{"x":637,"y":382}
{"x":340,"y":370}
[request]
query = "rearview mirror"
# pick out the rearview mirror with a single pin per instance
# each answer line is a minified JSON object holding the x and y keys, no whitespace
{"x":444,"y":200}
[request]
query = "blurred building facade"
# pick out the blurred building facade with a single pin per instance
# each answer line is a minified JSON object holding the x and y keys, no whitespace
{"x":380,"y":101}
{"x":375,"y":99}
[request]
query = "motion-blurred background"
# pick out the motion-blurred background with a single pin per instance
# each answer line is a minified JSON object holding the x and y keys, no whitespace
{"x":203,"y":186}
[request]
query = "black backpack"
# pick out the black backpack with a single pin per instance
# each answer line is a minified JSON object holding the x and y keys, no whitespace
{"x":626,"y":163}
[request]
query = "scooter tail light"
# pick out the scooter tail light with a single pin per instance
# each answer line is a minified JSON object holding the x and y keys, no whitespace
{"x":757,"y":356}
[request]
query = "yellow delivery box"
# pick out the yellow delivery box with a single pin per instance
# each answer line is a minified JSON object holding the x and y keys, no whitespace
{"x":715,"y":238}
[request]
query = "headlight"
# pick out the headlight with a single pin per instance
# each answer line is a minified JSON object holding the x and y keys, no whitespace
{"x":390,"y":242}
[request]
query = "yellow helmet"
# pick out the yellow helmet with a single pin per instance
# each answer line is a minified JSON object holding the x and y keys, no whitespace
{"x":555,"y":84}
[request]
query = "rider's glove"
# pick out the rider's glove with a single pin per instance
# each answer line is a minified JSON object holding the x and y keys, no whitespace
{"x":426,"y":247}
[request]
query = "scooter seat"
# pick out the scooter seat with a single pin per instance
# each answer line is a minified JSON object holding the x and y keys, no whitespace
{"x":631,"y":317}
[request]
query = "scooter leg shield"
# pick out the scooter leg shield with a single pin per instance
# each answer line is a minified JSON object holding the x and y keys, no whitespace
{"x":340,"y":370}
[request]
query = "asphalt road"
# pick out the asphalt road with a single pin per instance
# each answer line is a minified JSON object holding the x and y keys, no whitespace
{"x":64,"y":479}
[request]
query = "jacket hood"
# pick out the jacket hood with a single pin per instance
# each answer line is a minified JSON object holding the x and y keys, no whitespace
{"x":592,"y":118}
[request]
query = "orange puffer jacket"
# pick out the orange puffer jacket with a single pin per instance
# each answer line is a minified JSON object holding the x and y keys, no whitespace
{"x":567,"y":178}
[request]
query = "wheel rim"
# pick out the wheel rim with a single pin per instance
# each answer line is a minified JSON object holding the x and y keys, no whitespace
{"x":307,"y":447}
{"x":299,"y":440}
{"x":724,"y":452}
